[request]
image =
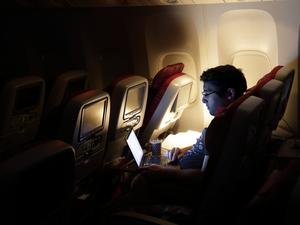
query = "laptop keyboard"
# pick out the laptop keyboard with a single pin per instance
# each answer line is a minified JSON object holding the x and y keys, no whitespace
{"x":158,"y":160}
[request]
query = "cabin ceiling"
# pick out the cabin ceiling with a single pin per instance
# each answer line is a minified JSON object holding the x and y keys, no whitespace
{"x":124,"y":3}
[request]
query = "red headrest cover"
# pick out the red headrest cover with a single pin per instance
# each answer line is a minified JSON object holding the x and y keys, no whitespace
{"x":166,"y":72}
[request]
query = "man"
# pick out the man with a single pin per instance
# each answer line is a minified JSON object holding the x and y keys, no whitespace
{"x":221,"y":86}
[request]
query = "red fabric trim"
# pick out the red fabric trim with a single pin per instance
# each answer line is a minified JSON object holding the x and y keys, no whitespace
{"x":153,"y":104}
{"x":165,"y":73}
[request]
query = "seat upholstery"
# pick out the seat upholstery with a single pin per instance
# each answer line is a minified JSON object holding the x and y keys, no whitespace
{"x":129,"y":99}
{"x":37,"y":184}
{"x":22,"y":102}
{"x":169,"y":96}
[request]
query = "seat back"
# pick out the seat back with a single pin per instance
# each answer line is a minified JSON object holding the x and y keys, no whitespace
{"x":230,"y":138}
{"x":66,"y":86}
{"x":169,"y":96}
{"x":271,"y":92}
{"x":129,"y":99}
{"x":84,"y":125}
{"x":286,"y":76}
{"x":37,"y":184}
{"x":22,"y":102}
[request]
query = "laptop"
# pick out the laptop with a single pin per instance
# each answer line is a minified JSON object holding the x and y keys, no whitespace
{"x":142,"y":159}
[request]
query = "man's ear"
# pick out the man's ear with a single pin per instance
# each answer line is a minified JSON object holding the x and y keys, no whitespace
{"x":230,"y":94}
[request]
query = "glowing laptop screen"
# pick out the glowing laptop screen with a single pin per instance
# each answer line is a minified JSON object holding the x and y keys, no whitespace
{"x":135,"y":147}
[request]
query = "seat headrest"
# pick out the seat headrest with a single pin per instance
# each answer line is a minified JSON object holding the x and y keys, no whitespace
{"x":129,"y":96}
{"x":116,"y":81}
{"x":66,"y":86}
{"x":165,"y":73}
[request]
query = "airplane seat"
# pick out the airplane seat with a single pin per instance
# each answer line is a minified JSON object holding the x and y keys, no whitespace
{"x":22,"y":100}
{"x":285,"y":75}
{"x":128,"y":105}
{"x":229,"y":138}
{"x":66,"y":86}
{"x":277,"y":99}
{"x":271,"y":92}
{"x":36,"y":185}
{"x":169,"y":96}
{"x":84,"y":125}
{"x":270,"y":89}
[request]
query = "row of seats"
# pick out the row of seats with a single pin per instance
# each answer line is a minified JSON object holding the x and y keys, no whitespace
{"x":75,"y":130}
{"x":75,"y":145}
{"x":85,"y":118}
{"x":237,"y":141}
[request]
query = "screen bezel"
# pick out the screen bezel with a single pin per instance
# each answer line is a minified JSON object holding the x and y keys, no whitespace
{"x":176,"y":107}
{"x":137,"y":110}
{"x":99,"y":128}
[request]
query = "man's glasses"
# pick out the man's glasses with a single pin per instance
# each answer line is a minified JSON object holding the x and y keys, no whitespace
{"x":207,"y":93}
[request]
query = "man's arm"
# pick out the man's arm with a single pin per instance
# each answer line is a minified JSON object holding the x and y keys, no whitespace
{"x":156,"y":173}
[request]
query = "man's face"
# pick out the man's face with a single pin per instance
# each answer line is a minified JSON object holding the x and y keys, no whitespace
{"x":211,"y":98}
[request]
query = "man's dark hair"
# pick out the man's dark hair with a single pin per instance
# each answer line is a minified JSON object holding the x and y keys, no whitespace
{"x":224,"y":77}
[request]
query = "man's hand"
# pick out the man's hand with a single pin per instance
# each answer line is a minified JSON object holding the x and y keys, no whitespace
{"x":176,"y":153}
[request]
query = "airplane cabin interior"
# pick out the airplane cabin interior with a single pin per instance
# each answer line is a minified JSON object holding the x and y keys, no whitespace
{"x":77,"y":76}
